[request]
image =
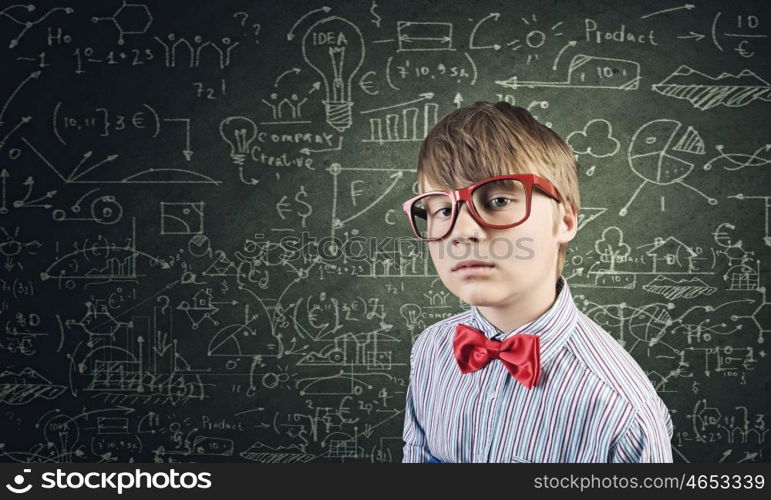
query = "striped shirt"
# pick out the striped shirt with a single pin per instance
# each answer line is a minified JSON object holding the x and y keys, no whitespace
{"x":592,"y":403}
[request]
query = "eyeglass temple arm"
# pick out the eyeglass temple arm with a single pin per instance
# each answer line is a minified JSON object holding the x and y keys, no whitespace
{"x":549,"y":189}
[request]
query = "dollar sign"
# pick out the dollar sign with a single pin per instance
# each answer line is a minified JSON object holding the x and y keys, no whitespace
{"x":376,"y":20}
{"x":310,"y":209}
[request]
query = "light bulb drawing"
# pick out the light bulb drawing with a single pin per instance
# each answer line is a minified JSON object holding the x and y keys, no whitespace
{"x":412,"y":313}
{"x":334,"y":47}
{"x":238,"y":132}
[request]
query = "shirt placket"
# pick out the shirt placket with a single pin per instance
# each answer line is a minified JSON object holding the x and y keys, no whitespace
{"x":491,"y":380}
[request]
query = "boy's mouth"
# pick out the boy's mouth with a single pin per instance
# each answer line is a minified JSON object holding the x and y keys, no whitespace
{"x":472,"y":265}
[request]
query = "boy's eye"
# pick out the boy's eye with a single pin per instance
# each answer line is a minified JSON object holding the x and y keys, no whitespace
{"x":439,"y":211}
{"x":499,"y":202}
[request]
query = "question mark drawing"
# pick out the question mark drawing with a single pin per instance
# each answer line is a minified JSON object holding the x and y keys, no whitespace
{"x":256,"y":26}
{"x":243,"y":21}
{"x":165,"y":300}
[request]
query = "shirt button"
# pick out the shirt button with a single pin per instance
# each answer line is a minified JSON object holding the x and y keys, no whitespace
{"x":491,"y":395}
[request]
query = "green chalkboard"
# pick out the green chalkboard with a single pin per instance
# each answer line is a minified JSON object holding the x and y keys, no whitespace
{"x":204,"y":256}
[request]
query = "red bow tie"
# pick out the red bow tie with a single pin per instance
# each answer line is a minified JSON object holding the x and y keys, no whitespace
{"x":519,"y":353}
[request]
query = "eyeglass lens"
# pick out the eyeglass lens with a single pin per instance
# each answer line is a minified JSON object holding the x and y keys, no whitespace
{"x":499,"y":202}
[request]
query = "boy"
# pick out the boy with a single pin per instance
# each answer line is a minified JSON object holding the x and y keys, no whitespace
{"x":523,"y":375}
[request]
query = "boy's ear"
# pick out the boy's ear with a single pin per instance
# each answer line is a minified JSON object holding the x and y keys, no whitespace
{"x":568,"y":225}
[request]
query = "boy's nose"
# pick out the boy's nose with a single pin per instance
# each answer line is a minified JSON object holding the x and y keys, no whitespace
{"x":465,"y":225}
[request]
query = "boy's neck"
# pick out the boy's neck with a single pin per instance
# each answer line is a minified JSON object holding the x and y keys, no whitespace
{"x":533,"y":304}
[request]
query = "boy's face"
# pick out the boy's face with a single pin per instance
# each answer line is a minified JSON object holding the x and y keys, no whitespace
{"x":518,"y":259}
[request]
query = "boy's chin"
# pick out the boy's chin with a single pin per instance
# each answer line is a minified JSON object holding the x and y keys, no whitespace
{"x":479,"y":297}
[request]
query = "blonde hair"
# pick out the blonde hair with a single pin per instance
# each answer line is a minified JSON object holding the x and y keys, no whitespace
{"x":486,"y":139}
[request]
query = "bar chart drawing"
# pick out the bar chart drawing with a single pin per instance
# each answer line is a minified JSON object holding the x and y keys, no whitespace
{"x":402,"y":127}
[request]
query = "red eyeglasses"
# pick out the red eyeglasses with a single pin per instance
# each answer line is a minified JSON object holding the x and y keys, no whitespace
{"x":497,"y":202}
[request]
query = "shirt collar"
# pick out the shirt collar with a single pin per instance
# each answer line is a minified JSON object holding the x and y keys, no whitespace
{"x":553,"y":327}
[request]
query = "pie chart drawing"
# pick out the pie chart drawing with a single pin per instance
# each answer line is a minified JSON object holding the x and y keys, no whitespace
{"x":656,"y":155}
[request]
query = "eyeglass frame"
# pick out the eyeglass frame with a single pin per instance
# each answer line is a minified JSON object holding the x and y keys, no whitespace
{"x":529,"y":181}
